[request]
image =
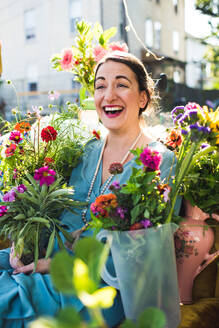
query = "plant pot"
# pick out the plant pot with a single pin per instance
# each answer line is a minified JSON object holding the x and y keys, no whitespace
{"x":193,"y":241}
{"x":145,"y":267}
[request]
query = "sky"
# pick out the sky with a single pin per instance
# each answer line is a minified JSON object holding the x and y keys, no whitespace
{"x":195,"y":22}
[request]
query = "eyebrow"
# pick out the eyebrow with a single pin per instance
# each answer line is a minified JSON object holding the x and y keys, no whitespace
{"x":117,"y":78}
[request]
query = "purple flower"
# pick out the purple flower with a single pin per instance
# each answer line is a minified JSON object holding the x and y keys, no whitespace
{"x":115,"y":186}
{"x":146,"y":223}
{"x":21,"y":188}
{"x":151,"y":159}
{"x":184,"y":132}
{"x":10,"y":196}
{"x":177,"y":112}
{"x":121,"y":212}
{"x":45,"y":175}
{"x":205,"y":129}
{"x":3,"y":210}
{"x":204,"y":145}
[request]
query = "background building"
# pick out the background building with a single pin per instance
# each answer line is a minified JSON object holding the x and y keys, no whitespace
{"x":31,"y":31}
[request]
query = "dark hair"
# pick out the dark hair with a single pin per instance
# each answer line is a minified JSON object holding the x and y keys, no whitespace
{"x":145,"y":82}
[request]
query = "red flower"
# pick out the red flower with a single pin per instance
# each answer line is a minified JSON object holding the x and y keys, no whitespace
{"x":96,"y":134}
{"x":136,"y":226}
{"x":15,"y":136}
{"x":10,"y":150}
{"x":48,"y":134}
{"x":48,"y":160}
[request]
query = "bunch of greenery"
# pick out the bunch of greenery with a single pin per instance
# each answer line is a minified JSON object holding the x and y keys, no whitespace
{"x":29,"y":216}
{"x":201,"y":187}
{"x":79,"y":275}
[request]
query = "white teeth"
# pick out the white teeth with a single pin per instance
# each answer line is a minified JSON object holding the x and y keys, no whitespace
{"x":112,"y":109}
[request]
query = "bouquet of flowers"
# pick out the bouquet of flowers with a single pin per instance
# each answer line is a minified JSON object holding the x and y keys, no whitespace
{"x":36,"y":163}
{"x":142,"y":202}
{"x":195,"y":140}
{"x":91,"y":44}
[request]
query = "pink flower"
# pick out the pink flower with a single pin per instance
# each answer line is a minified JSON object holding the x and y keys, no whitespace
{"x":15,"y":136}
{"x":192,"y":106}
{"x":166,"y":194}
{"x":67,"y":59}
{"x":3,"y":210}
{"x":99,"y":52}
{"x":10,"y":196}
{"x":151,"y":159}
{"x":52,"y":95}
{"x":45,"y":175}
{"x":10,"y":150}
{"x":21,"y":188}
{"x":118,"y":46}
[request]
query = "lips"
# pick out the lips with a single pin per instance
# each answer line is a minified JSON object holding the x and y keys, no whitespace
{"x":113,"y":111}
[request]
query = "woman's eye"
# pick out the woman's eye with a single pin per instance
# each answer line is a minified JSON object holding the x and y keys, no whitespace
{"x":98,"y":87}
{"x":121,"y":85}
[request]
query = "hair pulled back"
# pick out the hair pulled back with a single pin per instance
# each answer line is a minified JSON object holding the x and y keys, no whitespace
{"x":145,"y":82}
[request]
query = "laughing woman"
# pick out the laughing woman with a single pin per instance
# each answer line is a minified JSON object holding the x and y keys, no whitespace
{"x":123,"y":90}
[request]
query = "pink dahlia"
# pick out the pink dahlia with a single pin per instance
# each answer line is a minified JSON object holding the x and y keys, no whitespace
{"x":45,"y":175}
{"x":15,"y":136}
{"x":151,"y":159}
{"x":3,"y":210}
{"x":99,"y":52}
{"x":67,"y":59}
{"x":118,"y":46}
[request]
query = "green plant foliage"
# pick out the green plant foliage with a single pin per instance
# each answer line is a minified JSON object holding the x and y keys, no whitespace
{"x":150,"y":318}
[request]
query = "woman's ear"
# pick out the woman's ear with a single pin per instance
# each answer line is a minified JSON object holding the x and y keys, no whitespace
{"x":143,"y":99}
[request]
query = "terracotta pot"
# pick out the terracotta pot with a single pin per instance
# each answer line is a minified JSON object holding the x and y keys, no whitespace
{"x":193,"y":241}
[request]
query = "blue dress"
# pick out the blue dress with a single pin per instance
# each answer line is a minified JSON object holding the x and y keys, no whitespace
{"x":25,"y":297}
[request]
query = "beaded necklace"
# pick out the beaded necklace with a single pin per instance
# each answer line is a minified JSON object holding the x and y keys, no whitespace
{"x":84,"y":211}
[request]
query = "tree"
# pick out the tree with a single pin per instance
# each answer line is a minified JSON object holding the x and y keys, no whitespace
{"x":211,"y":8}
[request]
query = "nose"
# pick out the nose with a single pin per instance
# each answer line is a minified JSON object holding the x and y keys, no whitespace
{"x":110,"y":94}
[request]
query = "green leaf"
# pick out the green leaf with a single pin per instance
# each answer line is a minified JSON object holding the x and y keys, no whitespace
{"x":50,"y":243}
{"x":128,"y":324}
{"x":68,"y":317}
{"x":146,"y":213}
{"x":152,"y":318}
{"x":109,"y":33}
{"x":94,"y":254}
{"x":62,"y":272}
{"x":36,"y":251}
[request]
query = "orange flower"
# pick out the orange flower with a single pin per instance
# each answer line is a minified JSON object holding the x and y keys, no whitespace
{"x":109,"y":200}
{"x":174,"y":139}
{"x":23,"y":127}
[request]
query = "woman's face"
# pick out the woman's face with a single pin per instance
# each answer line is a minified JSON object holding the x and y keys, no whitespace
{"x":117,"y":96}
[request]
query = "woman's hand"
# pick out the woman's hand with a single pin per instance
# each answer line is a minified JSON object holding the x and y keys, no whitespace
{"x":14,"y":260}
{"x":43,"y":266}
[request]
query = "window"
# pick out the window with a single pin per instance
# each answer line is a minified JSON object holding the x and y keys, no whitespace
{"x":30,"y":24}
{"x":176,"y":41}
{"x":157,"y":1}
{"x":175,"y":4}
{"x":149,"y":33}
{"x":75,"y":13}
{"x":32,"y":78}
{"x":32,"y":86}
{"x":157,"y":35}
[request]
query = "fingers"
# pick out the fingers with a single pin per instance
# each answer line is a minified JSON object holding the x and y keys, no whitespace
{"x":42,"y":267}
{"x":25,"y":269}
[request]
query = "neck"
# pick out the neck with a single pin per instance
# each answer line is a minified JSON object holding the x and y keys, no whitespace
{"x":119,"y":140}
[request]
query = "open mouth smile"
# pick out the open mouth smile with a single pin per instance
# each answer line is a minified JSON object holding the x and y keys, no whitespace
{"x":113,"y":111}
